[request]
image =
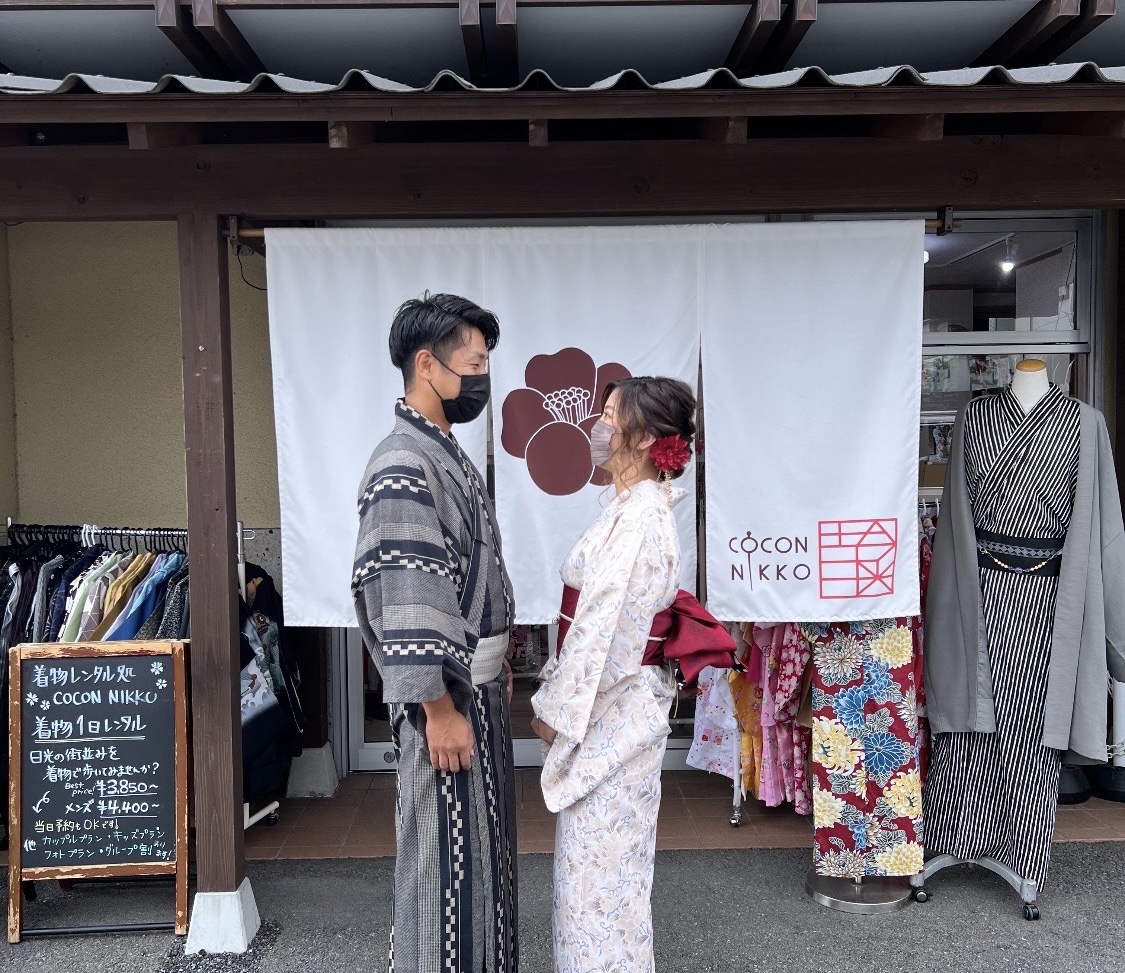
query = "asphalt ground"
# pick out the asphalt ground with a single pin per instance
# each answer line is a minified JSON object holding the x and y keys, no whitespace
{"x":713,"y":911}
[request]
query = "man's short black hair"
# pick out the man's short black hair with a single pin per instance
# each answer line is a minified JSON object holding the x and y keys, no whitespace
{"x":438,"y":323}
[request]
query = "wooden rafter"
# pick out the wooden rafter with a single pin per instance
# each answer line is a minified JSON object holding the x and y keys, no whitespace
{"x":1104,"y":124}
{"x":796,"y":22}
{"x":729,"y":131}
{"x":1094,"y":14}
{"x":215,"y":25}
{"x":143,"y":135}
{"x":468,"y":12}
{"x":1022,"y":44}
{"x":507,"y":70}
{"x":174,"y":21}
{"x":922,"y":128}
{"x":756,"y":30}
{"x":350,"y":135}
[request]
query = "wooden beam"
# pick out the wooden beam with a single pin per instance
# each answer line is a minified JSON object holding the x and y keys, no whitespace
{"x":143,"y":135}
{"x":473,"y":37}
{"x":13,"y":135}
{"x":225,"y":39}
{"x":350,"y":135}
{"x":507,"y":70}
{"x":729,"y":131}
{"x":174,"y":21}
{"x":796,"y":22}
{"x":922,"y":128}
{"x":1094,"y":14}
{"x":209,"y":444}
{"x":1021,"y":44}
{"x":503,"y":180}
{"x":756,"y":30}
{"x":538,"y":133}
{"x":1095,"y":124}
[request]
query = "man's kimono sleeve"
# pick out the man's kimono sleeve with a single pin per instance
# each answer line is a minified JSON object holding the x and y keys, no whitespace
{"x":405,"y":582}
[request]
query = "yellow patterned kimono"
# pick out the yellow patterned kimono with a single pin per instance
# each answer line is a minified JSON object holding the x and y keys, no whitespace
{"x":748,"y":709}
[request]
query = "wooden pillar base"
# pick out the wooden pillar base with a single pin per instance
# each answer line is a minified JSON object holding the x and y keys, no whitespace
{"x":223,"y":922}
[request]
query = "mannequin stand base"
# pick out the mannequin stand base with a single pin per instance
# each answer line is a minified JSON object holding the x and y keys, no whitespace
{"x":866,"y":898}
{"x":1028,"y":890}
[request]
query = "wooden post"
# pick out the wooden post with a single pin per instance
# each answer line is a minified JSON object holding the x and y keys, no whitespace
{"x":209,"y":444}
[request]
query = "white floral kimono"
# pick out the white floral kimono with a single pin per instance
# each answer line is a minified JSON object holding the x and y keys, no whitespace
{"x":610,"y":713}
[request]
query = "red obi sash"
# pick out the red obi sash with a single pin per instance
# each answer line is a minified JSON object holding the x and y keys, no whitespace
{"x":685,"y":634}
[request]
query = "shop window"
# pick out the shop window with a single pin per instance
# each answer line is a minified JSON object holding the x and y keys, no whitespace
{"x":996,"y":292}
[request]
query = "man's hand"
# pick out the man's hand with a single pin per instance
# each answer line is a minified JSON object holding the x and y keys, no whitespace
{"x":541,"y":730}
{"x":449,"y":737}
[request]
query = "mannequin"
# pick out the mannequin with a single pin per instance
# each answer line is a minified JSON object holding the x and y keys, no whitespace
{"x":1030,"y":383}
{"x":994,"y":778}
{"x":1025,"y":621}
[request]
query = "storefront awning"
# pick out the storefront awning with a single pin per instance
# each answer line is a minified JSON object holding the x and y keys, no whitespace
{"x":356,"y":81}
{"x":361,"y":96}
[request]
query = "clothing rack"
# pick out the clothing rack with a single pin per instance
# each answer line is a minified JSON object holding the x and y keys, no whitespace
{"x":170,"y":538}
{"x":164,"y":538}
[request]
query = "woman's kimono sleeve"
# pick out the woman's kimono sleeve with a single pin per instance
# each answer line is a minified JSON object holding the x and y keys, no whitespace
{"x":620,"y":596}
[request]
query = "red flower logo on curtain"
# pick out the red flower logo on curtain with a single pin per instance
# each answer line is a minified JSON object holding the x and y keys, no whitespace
{"x":548,"y":423}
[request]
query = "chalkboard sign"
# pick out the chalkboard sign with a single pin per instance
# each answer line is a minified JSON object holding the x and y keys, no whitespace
{"x":99,"y":736}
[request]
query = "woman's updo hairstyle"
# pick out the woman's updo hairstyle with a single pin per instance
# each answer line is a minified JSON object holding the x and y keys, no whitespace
{"x":653,"y":406}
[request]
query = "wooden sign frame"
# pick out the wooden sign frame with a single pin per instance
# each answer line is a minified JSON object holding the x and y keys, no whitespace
{"x":179,"y":868}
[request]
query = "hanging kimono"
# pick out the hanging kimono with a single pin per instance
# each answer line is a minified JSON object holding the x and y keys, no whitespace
{"x":610,"y":713}
{"x":746,"y":691}
{"x":785,"y":744}
{"x":994,"y":794}
{"x":867,"y":794}
{"x":434,"y":603}
{"x":715,"y":733}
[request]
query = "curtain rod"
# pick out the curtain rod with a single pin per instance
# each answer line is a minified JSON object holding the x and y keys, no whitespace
{"x":259,"y":232}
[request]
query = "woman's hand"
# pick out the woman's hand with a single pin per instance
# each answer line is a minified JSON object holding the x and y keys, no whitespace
{"x":541,"y":730}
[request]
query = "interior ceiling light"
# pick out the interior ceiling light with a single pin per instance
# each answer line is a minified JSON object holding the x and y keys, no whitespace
{"x":1007,"y":264}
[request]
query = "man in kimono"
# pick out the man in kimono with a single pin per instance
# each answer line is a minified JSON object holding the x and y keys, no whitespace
{"x":434,"y":604}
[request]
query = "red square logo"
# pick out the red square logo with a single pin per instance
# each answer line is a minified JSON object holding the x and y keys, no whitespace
{"x":857,"y":558}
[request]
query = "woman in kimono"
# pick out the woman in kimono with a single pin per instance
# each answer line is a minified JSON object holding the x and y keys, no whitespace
{"x":602,"y":710}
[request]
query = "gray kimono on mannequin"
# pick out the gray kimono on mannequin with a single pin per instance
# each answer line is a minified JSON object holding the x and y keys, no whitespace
{"x":1088,"y":639}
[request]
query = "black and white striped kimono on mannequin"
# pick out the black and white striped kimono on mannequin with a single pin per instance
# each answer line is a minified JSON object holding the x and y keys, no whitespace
{"x":993,"y":795}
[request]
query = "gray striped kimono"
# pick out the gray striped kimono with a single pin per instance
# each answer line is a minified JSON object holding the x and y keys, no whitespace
{"x":429,"y":583}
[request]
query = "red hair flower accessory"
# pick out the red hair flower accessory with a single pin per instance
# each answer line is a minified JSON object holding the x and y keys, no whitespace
{"x":670,"y":454}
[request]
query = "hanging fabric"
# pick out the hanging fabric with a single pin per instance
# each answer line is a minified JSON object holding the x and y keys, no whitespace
{"x":867,"y":792}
